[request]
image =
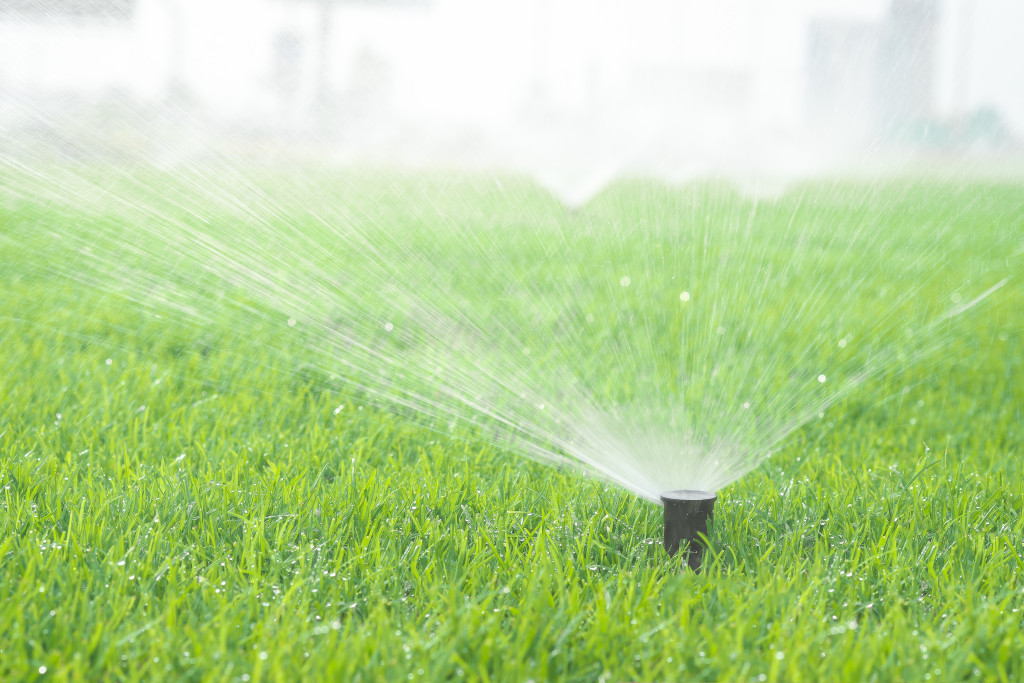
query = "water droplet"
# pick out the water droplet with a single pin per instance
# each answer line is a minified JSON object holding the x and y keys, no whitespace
{"x":109,"y":361}
{"x":821,"y":378}
{"x":291,"y":322}
{"x":780,"y":655}
{"x":388,"y":327}
{"x":624,"y":281}
{"x":685,"y":296}
{"x":42,"y":669}
{"x":842,"y":343}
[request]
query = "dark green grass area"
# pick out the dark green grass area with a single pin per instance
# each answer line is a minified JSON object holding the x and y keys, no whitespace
{"x":191,"y":502}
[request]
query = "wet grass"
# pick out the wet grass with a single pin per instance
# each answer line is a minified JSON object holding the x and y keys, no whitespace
{"x":187,"y":501}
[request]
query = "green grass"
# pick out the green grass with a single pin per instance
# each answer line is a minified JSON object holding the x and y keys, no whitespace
{"x":198,"y":508}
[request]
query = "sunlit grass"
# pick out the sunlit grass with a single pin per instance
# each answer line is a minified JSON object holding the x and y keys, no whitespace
{"x":197,"y":499}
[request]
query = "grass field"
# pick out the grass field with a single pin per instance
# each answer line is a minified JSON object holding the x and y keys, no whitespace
{"x":187,"y":500}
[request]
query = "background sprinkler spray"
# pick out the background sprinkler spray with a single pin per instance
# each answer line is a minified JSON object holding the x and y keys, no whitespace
{"x":687,"y":514}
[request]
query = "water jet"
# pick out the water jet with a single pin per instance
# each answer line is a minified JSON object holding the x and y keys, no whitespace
{"x":687,"y":513}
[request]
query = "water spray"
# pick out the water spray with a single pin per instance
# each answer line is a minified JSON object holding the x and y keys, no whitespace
{"x":687,"y":514}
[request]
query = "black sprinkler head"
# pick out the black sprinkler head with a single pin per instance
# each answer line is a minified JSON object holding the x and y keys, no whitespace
{"x":687,"y":514}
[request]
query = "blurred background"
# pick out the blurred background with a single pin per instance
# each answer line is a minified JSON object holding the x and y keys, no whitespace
{"x":573,"y":93}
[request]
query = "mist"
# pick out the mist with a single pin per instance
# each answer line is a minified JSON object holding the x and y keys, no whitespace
{"x":573,"y":94}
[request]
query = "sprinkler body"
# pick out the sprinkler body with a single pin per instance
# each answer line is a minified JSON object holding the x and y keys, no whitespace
{"x":686,"y":517}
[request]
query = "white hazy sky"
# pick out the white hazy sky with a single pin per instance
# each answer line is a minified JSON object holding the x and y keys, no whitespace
{"x":603,"y":75}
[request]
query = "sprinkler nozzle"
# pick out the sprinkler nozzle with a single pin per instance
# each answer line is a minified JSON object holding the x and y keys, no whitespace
{"x":686,"y":516}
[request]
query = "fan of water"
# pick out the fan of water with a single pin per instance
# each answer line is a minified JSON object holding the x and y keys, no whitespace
{"x":660,"y":339}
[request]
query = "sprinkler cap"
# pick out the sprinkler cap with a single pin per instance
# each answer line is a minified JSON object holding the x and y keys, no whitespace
{"x":687,"y":514}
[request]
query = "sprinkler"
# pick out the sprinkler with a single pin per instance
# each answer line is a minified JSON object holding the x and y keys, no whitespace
{"x":686,"y":515}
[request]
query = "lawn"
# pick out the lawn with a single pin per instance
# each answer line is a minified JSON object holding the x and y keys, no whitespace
{"x":197,"y":487}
